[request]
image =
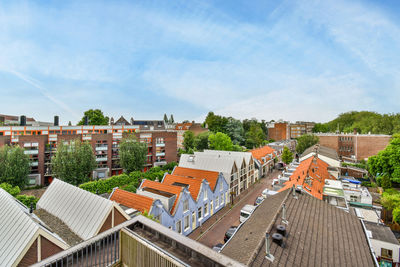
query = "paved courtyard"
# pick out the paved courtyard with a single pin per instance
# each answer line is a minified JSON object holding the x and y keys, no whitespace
{"x":213,"y":230}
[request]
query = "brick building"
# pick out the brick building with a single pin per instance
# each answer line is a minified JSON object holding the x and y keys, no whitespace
{"x":358,"y":146}
{"x":181,"y":128}
{"x":278,"y":130}
{"x":40,"y":143}
{"x":300,"y":127}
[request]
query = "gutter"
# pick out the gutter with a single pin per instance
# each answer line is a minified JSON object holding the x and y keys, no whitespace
{"x":369,"y":244}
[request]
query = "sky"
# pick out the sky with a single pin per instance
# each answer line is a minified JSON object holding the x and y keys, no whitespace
{"x":291,"y":60}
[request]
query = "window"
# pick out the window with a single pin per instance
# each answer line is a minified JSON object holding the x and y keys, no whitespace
{"x":179,"y":226}
{"x":217,"y":201}
{"x":221,"y":185}
{"x":222,"y":199}
{"x":199,"y":213}
{"x":386,"y":253}
{"x":205,"y":193}
{"x":186,"y":225}
{"x":186,"y":205}
{"x":206,"y":209}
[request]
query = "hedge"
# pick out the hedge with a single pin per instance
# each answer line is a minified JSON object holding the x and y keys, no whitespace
{"x":27,"y":200}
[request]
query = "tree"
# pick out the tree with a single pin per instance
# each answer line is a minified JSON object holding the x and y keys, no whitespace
{"x":165,"y":118}
{"x":14,"y":166}
{"x":220,"y":141}
{"x":74,"y":162}
{"x":287,"y":155}
{"x":132,"y":153}
{"x":387,"y":161}
{"x":201,"y":141}
{"x":234,"y":129}
{"x":385,"y":182}
{"x":255,"y":136}
{"x":216,"y":123}
{"x":188,"y":141}
{"x":95,"y":117}
{"x":305,"y":141}
{"x":12,"y":190}
{"x":171,"y":119}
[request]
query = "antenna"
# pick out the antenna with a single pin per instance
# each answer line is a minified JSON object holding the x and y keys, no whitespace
{"x":284,"y":221}
{"x":268,"y":255}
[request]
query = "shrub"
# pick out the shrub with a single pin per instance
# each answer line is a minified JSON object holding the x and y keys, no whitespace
{"x":106,"y":185}
{"x":10,"y":189}
{"x":27,"y":200}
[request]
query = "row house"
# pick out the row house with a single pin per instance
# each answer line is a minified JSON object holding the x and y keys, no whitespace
{"x":41,"y":142}
{"x":237,"y":167}
{"x":179,"y":202}
{"x":264,"y":159}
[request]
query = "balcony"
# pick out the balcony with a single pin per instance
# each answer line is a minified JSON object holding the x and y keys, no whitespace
{"x":34,"y":163}
{"x":101,"y":159}
{"x":160,"y":154}
{"x":101,"y":148}
{"x":31,"y":152}
{"x":160,"y":145}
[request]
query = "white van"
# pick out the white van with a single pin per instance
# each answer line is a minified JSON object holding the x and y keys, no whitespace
{"x":266,"y":193}
{"x":246,"y":211}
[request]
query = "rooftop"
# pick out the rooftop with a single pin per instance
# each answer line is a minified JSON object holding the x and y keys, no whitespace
{"x":161,"y":187}
{"x":260,"y":153}
{"x":192,"y":184}
{"x":381,"y":232}
{"x":132,"y":200}
{"x":210,"y":176}
{"x":318,"y":234}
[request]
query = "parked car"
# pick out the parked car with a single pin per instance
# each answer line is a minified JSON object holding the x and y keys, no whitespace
{"x":217,"y":247}
{"x":266,"y":193}
{"x":246,"y":211}
{"x":258,"y":201}
{"x":229,"y":233}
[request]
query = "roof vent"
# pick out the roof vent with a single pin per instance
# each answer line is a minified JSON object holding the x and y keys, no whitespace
{"x":277,"y":239}
{"x":281,"y":229}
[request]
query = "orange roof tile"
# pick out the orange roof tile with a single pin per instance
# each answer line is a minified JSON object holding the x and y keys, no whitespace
{"x":210,"y":176}
{"x":317,"y":170}
{"x":193,"y":184}
{"x":172,"y":189}
{"x":261,"y":152}
{"x":132,"y":200}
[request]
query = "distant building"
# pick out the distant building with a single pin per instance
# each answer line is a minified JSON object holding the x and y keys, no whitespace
{"x":41,"y":143}
{"x":356,"y":146}
{"x":278,"y":131}
{"x":264,"y":159}
{"x":181,"y":128}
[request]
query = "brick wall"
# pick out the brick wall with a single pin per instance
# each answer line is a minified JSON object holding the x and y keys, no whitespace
{"x":30,"y":256}
{"x":104,"y":137}
{"x":118,"y":217}
{"x":48,"y":248}
{"x":329,"y":141}
{"x":370,"y":145}
{"x":279,"y":132}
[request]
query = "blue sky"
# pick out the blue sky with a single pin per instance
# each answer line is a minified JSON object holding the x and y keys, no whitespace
{"x":292,"y":60}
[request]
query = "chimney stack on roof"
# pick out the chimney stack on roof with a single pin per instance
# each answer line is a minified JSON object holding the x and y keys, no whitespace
{"x":56,"y":121}
{"x":22,"y":121}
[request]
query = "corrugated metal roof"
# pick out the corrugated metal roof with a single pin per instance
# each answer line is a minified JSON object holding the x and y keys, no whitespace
{"x":236,"y":155}
{"x":208,"y":162}
{"x":81,"y":210}
{"x":16,"y":229}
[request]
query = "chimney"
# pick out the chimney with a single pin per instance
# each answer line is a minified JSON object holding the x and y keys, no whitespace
{"x":86,"y":120}
{"x":56,"y":121}
{"x":22,"y":121}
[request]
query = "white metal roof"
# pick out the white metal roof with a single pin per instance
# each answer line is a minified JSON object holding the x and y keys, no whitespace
{"x":238,"y":156}
{"x":16,"y":229}
{"x":209,"y":163}
{"x":81,"y":210}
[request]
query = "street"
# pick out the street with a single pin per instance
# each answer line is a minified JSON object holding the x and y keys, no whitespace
{"x":214,"y":234}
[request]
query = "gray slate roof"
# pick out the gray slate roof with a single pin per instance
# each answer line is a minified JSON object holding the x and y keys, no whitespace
{"x":322,"y":150}
{"x":319,"y":234}
{"x":381,"y":232}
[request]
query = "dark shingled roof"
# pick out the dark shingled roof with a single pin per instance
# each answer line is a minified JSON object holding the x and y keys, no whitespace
{"x":381,"y":232}
{"x":319,"y":234}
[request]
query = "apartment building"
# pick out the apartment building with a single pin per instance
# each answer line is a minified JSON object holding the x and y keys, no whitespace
{"x":357,"y":146}
{"x":40,"y":143}
{"x":278,"y":131}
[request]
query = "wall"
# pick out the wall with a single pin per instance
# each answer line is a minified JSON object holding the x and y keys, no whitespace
{"x":30,"y":256}
{"x":279,"y":132}
{"x":370,"y":145}
{"x":48,"y":248}
{"x":377,"y":245}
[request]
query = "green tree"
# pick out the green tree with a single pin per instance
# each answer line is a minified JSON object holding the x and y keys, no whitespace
{"x":132,"y":153}
{"x":385,"y":182}
{"x":188,"y":140}
{"x":287,"y":155}
{"x":305,"y":141}
{"x":74,"y":162}
{"x":234,"y":129}
{"x":14,"y":166}
{"x":216,"y":123}
{"x":387,"y":161}
{"x":201,"y":141}
{"x":171,"y":119}
{"x":220,"y":141}
{"x":255,"y":136}
{"x":95,"y":116}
